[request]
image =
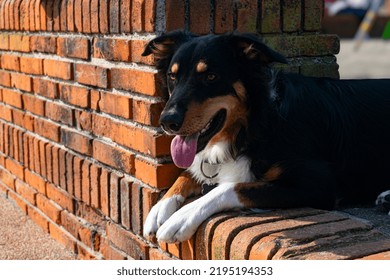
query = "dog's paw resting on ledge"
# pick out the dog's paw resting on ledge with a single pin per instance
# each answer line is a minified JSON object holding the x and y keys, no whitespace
{"x":383,"y":201}
{"x":251,"y":137}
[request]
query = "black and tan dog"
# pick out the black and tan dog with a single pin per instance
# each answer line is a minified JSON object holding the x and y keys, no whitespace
{"x":251,"y":137}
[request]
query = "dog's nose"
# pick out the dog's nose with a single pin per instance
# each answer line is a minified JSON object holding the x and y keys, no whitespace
{"x":171,"y":121}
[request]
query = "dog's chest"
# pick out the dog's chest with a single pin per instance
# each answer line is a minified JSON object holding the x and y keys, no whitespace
{"x":231,"y":171}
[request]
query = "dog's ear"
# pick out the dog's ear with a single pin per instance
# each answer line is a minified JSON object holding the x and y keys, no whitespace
{"x":251,"y":47}
{"x":165,"y":45}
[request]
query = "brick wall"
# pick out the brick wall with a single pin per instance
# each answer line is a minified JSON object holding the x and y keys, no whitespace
{"x":80,"y":148}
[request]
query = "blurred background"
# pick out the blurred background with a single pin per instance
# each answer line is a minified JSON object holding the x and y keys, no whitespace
{"x":364,"y":30}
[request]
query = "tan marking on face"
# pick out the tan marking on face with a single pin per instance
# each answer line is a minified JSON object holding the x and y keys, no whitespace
{"x":201,"y":67}
{"x":184,"y":185}
{"x":240,"y":90}
{"x":175,"y":68}
{"x":273,"y":173}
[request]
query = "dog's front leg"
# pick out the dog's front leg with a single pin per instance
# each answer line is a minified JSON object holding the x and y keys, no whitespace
{"x":184,"y":187}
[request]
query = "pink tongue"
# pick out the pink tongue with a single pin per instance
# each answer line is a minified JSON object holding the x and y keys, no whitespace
{"x":183,"y":150}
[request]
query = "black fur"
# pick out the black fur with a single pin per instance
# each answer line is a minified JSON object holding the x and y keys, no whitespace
{"x":331,"y":138}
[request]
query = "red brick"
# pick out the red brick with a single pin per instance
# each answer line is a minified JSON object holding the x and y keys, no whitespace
{"x":47,"y":129}
{"x":115,"y":104}
{"x":19,"y":43}
{"x":59,"y":112}
{"x":73,"y":47}
{"x":56,"y":15}
{"x":95,"y":16}
{"x":63,"y":237}
{"x":112,"y":49}
{"x":35,"y":160}
{"x":137,"y":15}
{"x":50,"y":209}
{"x":10,"y":62}
{"x":136,"y":209}
{"x":83,"y":120}
{"x":109,"y":252}
{"x":70,"y":21}
{"x":86,"y":182}
{"x":13,"y":98}
{"x":4,"y":41}
{"x":95,"y":186}
{"x":33,"y":104}
{"x":125,"y":196}
{"x":292,"y":15}
{"x":14,"y":9}
{"x":76,"y":141}
{"x":71,"y":223}
{"x":127,"y":242}
{"x":114,"y":15}
{"x":149,"y":15}
{"x":7,"y":178}
{"x":45,"y":44}
{"x":49,"y":163}
{"x":77,"y":177}
{"x":69,"y":173}
{"x":103,"y":16}
{"x":86,"y":16}
{"x":57,"y":69}
{"x":78,"y":96}
{"x":200,"y":11}
{"x":78,"y":15}
{"x":105,"y":192}
{"x":21,"y":81}
{"x":42,"y":157}
{"x":113,"y":156}
{"x":125,"y":17}
{"x":149,"y":199}
{"x":45,"y":88}
{"x":37,"y":15}
{"x":31,"y":65}
{"x":157,"y":175}
{"x":158,"y":254}
{"x":247,"y":15}
{"x":146,"y":112}
{"x":115,"y":197}
{"x":63,"y":16}
{"x":49,"y":15}
{"x":270,"y":16}
{"x":5,"y":79}
{"x":26,"y":191}
{"x":136,"y":49}
{"x":19,"y":201}
{"x":91,"y":75}
{"x":135,"y":80}
{"x":223,"y":16}
{"x":62,"y":169}
{"x":38,"y":218}
{"x":61,"y":197}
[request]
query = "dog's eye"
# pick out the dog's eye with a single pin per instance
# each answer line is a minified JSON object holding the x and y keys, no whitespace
{"x":172,"y":76}
{"x":211,"y":76}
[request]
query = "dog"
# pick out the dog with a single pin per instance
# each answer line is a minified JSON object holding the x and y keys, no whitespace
{"x":252,"y":137}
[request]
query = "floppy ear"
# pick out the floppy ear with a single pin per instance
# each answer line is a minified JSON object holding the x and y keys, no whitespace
{"x":251,"y":47}
{"x":165,"y":45}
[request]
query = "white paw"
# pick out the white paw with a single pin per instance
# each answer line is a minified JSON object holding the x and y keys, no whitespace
{"x":181,"y":225}
{"x":383,"y":201}
{"x":160,"y":213}
{"x":184,"y":223}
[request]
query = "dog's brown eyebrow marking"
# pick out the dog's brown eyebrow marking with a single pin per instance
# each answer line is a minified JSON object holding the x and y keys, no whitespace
{"x":201,"y":67}
{"x":175,"y":68}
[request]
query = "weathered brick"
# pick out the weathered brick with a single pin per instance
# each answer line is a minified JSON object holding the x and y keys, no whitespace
{"x":38,"y":218}
{"x":63,"y":237}
{"x":157,"y":175}
{"x":59,"y":112}
{"x":95,"y":16}
{"x":115,"y":104}
{"x":86,"y":17}
{"x":47,"y":129}
{"x":149,"y":15}
{"x":61,"y":197}
{"x":58,"y":69}
{"x":10,"y":62}
{"x":21,"y":81}
{"x":70,"y":21}
{"x":76,"y":141}
{"x":247,"y":15}
{"x":223,"y":16}
{"x":26,"y":191}
{"x":73,"y":47}
{"x":147,"y":112}
{"x":105,"y":191}
{"x":114,"y":13}
{"x":50,"y":209}
{"x":199,"y":16}
{"x":45,"y":44}
{"x":270,"y":20}
{"x":45,"y":88}
{"x":4,"y":41}
{"x":95,"y":172}
{"x":292,"y":16}
{"x":103,"y":16}
{"x":125,"y":196}
{"x":13,"y":98}
{"x":5,"y":79}
{"x":78,"y":15}
{"x":20,"y":43}
{"x":135,"y":80}
{"x":115,"y":202}
{"x":31,"y":65}
{"x":125,"y":17}
{"x":75,"y":95}
{"x":92,"y":75}
{"x":112,"y":49}
{"x":33,"y":104}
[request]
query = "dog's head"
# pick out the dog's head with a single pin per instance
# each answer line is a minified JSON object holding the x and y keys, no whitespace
{"x":207,"y":105}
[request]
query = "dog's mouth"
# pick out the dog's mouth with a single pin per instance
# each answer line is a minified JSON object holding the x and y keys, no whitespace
{"x":184,"y":148}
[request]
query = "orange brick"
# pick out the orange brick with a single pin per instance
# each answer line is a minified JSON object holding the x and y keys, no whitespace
{"x":75,"y":95}
{"x":114,"y":16}
{"x":158,"y":254}
{"x":21,"y":81}
{"x":50,"y":15}
{"x":19,"y":201}
{"x":125,"y":202}
{"x":61,"y":197}
{"x":57,"y":69}
{"x":13,"y":98}
{"x":136,"y":209}
{"x":63,"y":237}
{"x":73,"y":47}
{"x":83,"y":120}
{"x":115,"y":197}
{"x":45,"y":88}
{"x":95,"y":16}
{"x":149,"y":15}
{"x":146,"y":112}
{"x":70,"y":21}
{"x":38,"y":218}
{"x":50,"y":209}
{"x":137,"y":15}
{"x":36,"y":181}
{"x":7,"y":178}
{"x":174,"y":14}
{"x":104,"y":192}
{"x":59,"y":112}
{"x":103,"y":16}
{"x":5,"y":79}
{"x":95,"y":186}
{"x":135,"y":80}
{"x":113,"y":156}
{"x":78,"y":15}
{"x":109,"y":252}
{"x":77,"y":177}
{"x":37,"y":21}
{"x":10,"y":62}
{"x":86,"y":182}
{"x":199,"y":10}
{"x":125,"y":17}
{"x":136,"y":49}
{"x":86,"y":17}
{"x":4,"y":41}
{"x":157,"y":175}
{"x":63,"y":15}
{"x":112,"y":49}
{"x":47,"y":129}
{"x":91,"y":75}
{"x":115,"y":104}
{"x":19,"y":43}
{"x":33,"y":104}
{"x":31,"y":65}
{"x":45,"y":44}
{"x":76,"y":141}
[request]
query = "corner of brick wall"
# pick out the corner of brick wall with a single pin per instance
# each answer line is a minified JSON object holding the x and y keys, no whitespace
{"x":80,"y":148}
